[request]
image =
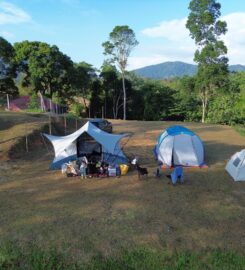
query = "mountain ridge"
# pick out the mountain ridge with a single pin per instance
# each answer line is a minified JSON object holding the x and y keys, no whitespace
{"x":168,"y":70}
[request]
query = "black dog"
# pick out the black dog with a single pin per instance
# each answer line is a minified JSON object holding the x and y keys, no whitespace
{"x":141,"y":171}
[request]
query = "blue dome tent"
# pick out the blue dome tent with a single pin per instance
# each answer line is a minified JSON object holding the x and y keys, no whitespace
{"x":179,"y":146}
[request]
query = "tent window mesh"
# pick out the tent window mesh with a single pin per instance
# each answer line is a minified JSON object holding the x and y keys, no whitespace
{"x":236,"y":162}
{"x":86,"y":145}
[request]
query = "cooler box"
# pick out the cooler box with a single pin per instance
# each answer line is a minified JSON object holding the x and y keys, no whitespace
{"x":112,"y":172}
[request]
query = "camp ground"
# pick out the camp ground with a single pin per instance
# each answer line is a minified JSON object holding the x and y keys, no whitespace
{"x":86,"y":216}
{"x":122,"y":135}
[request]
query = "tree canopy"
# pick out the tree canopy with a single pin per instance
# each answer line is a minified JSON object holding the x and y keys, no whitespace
{"x":7,"y":69}
{"x":205,"y":29}
{"x":46,"y":68}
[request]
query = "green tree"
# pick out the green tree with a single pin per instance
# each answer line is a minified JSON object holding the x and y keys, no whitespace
{"x":46,"y":68}
{"x":136,"y":104}
{"x":7,"y":69}
{"x":206,"y":29}
{"x":186,"y":105}
{"x":82,"y":79}
{"x":238,"y":87}
{"x":112,"y":92}
{"x":121,"y":42}
{"x":96,"y":101}
{"x":76,"y":109}
{"x":158,"y":100}
{"x":33,"y":104}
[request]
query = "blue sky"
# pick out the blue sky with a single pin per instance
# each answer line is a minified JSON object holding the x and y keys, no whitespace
{"x":79,"y":27}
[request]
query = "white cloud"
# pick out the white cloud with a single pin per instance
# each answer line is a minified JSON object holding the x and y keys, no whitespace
{"x":11,"y":14}
{"x":176,"y":44}
{"x":6,"y":34}
{"x":235,"y":37}
{"x":174,"y":30}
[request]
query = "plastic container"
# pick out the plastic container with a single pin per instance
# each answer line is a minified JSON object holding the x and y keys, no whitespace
{"x":124,"y":169}
{"x":112,"y":171}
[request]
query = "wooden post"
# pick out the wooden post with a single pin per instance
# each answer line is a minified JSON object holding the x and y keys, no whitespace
{"x":76,"y":123}
{"x":50,"y":125}
{"x":103,"y":112}
{"x":26,"y":138}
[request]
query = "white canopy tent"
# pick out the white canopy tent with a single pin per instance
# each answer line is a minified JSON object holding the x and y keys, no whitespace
{"x":236,"y":166}
{"x":65,"y":147}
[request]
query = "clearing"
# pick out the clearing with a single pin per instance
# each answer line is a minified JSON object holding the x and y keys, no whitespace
{"x":84,"y":217}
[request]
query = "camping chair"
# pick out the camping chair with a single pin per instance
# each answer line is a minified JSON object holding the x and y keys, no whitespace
{"x":178,"y":173}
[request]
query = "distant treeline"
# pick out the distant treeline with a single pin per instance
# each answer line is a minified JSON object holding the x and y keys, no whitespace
{"x":31,"y":67}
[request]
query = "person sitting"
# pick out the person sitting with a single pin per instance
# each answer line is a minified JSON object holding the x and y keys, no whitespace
{"x":71,"y":170}
{"x":92,"y":169}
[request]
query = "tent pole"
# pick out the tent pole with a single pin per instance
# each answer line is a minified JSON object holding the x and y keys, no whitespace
{"x":45,"y":144}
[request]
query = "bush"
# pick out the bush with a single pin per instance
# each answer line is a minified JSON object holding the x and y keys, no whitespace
{"x":33,"y":104}
{"x":76,"y":109}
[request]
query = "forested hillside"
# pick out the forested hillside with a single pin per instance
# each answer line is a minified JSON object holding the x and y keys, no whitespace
{"x":169,"y":70}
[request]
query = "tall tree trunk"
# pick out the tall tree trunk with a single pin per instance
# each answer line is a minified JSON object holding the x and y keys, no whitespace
{"x":85,"y":103}
{"x":117,"y":106}
{"x":124,"y":96}
{"x":203,"y":111}
{"x":204,"y":104}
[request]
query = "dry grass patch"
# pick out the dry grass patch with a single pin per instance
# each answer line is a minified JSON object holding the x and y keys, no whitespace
{"x":88,"y":216}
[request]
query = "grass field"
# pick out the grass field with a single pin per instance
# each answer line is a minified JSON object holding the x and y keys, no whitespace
{"x":84,"y":218}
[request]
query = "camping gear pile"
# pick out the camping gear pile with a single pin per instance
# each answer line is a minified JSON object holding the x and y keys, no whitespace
{"x":90,"y":168}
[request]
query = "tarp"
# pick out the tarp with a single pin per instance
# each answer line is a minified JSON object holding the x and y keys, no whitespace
{"x":65,"y":147}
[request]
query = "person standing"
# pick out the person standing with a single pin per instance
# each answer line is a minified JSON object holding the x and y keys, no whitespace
{"x":83,"y":169}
